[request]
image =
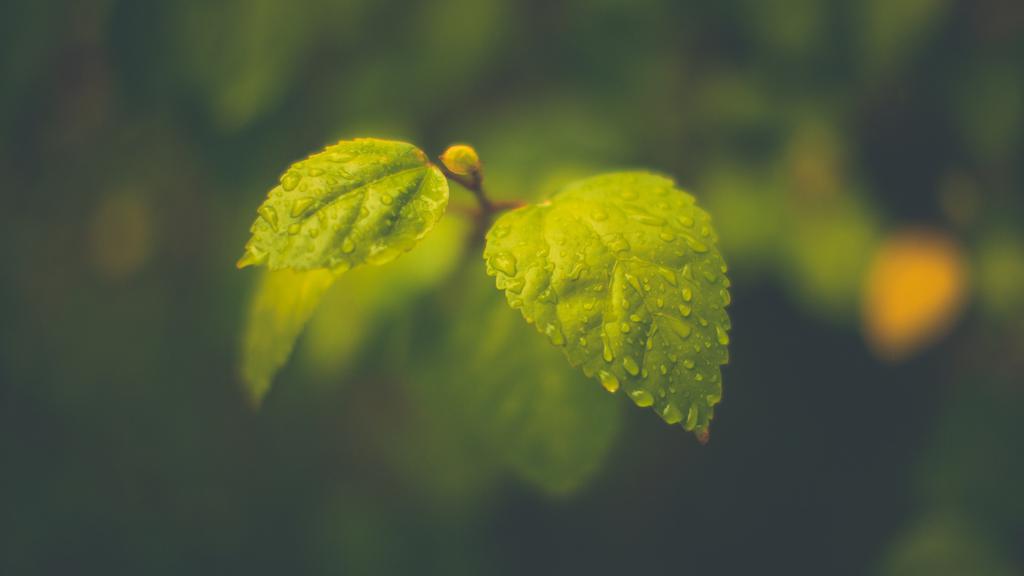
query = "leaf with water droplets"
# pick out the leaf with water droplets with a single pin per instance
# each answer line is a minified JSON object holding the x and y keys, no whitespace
{"x":358,"y":201}
{"x":622,"y":272}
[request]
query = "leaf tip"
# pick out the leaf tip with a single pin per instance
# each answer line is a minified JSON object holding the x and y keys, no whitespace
{"x":250,"y":258}
{"x":703,"y":436}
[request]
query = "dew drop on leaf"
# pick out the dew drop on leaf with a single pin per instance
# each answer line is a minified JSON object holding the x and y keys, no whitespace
{"x":269,"y":215}
{"x":299,"y":206}
{"x":641,"y":398}
{"x":504,"y":262}
{"x":671,"y":414}
{"x":290,"y":180}
{"x":630,"y":365}
{"x":609,"y":381}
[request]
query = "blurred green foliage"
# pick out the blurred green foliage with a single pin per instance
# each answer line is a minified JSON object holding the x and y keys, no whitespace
{"x":136,"y":136}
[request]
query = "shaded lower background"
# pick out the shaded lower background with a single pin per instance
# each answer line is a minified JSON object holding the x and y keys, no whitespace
{"x":860,"y":431}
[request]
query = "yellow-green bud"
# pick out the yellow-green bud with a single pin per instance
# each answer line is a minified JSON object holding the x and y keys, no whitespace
{"x":462,"y":160}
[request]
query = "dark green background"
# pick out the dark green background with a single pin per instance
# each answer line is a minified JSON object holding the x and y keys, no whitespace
{"x":137,"y":139}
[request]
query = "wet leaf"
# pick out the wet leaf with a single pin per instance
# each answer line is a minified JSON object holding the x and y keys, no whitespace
{"x":622,"y":272}
{"x":358,"y":201}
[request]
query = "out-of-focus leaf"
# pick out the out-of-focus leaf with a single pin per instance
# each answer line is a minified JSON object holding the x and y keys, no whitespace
{"x":358,"y":201}
{"x":1000,"y":274}
{"x":915,"y":288}
{"x":789,"y":27}
{"x":354,"y":310}
{"x":622,"y":272}
{"x":989,"y":113}
{"x":946,"y":546}
{"x":827,"y":250}
{"x":749,"y":214}
{"x":513,"y":395}
{"x":893,"y":32}
{"x":242,"y":55}
{"x":283,"y":302}
{"x":972,"y":462}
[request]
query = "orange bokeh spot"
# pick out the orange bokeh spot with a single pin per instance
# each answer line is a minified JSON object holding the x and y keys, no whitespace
{"x":914,"y":290}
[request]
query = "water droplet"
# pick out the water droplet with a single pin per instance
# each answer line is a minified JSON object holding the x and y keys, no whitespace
{"x":648,"y":220}
{"x":514,"y":284}
{"x":607,"y":353}
{"x":710,"y":276}
{"x":554,"y":334}
{"x":583,"y":341}
{"x":635,"y":317}
{"x":667,"y":235}
{"x":348,"y":246}
{"x":691,"y":417}
{"x":663,"y":369}
{"x":660,"y":302}
{"x":696,"y":245}
{"x":386,"y":199}
{"x":269,"y":215}
{"x":671,"y":414}
{"x":668,"y":275}
{"x":624,"y":327}
{"x":689,"y":364}
{"x":723,"y":336}
{"x":726,"y":298}
{"x":294,"y":228}
{"x":630,"y":365}
{"x":685,"y":310}
{"x":687,"y":294}
{"x":686,"y":221}
{"x":632,"y":281}
{"x":641,"y":398}
{"x":617,"y":243}
{"x":609,"y":381}
{"x":290,"y":180}
{"x":504,"y":262}
{"x":548,"y":296}
{"x":316,"y":172}
{"x":577,"y":270}
{"x":299,"y":206}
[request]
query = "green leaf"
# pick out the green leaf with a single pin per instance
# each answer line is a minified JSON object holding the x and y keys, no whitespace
{"x":281,"y":305}
{"x":621,"y":271}
{"x":365,"y":303}
{"x":358,"y":201}
{"x":518,"y":403}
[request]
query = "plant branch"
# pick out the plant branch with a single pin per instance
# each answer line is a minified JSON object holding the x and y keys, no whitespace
{"x":487,"y":208}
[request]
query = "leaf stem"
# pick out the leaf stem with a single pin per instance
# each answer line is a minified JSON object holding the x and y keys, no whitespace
{"x":488,"y":208}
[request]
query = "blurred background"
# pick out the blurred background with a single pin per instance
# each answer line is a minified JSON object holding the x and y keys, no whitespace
{"x":861,"y":161}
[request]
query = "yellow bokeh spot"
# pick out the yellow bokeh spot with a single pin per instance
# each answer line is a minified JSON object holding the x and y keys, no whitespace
{"x":914,"y":290}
